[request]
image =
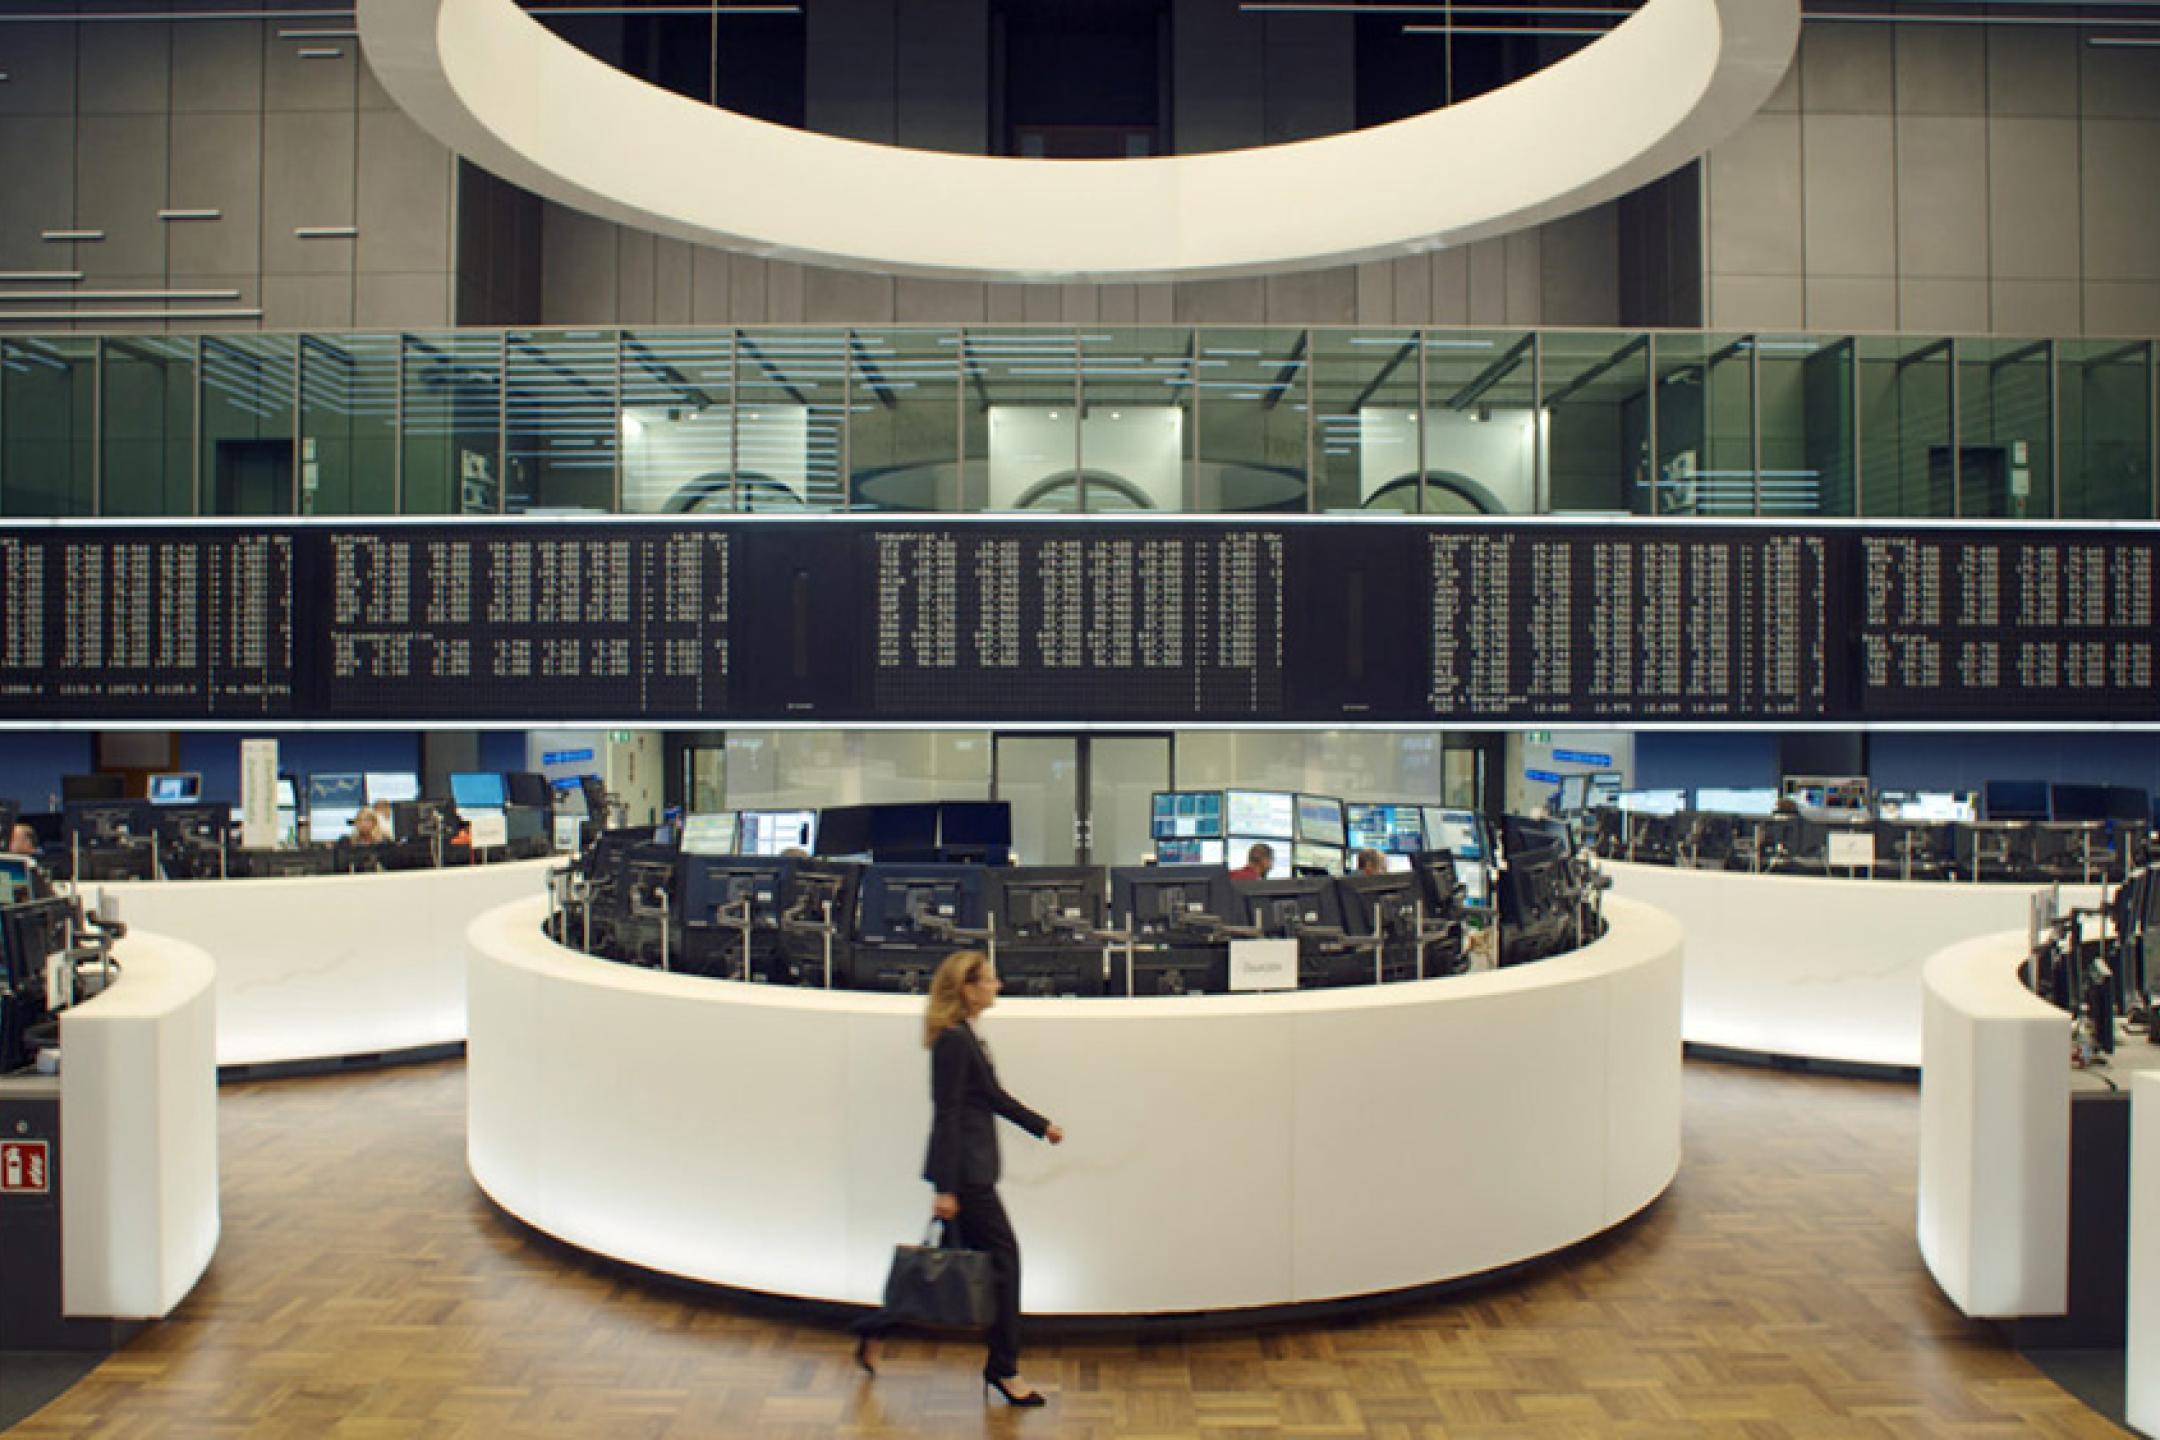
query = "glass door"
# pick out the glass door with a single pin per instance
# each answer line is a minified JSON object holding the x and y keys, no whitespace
{"x":1080,"y":799}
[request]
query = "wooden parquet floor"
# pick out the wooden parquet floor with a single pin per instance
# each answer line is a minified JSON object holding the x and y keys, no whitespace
{"x":364,"y":1289}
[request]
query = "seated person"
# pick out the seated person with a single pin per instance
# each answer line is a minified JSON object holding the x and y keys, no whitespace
{"x":368,"y":829}
{"x":1371,"y":862}
{"x":22,"y":840}
{"x":1258,"y":862}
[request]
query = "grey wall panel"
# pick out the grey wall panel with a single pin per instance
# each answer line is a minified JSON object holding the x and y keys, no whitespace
{"x":1451,"y":286}
{"x":1941,"y":69}
{"x":1005,"y":304}
{"x":369,"y":93}
{"x":1846,"y":69}
{"x":1755,"y":302}
{"x":746,"y":290}
{"x":119,"y":185}
{"x":402,"y":302}
{"x":1413,"y":290}
{"x":1041,"y":305}
{"x":217,"y":65}
{"x":216,"y":165}
{"x":1525,"y":258}
{"x":1579,"y":265}
{"x":959,"y":302}
{"x":2036,"y":307}
{"x":1221,"y":302}
{"x":2121,"y":84}
{"x":1313,"y":297}
{"x":849,"y":81}
{"x":40,"y":63}
{"x":1117,"y":305}
{"x":1488,"y":283}
{"x":1941,"y":307}
{"x":307,"y":302}
{"x":2127,"y":308}
{"x":292,"y":81}
{"x":1942,"y":196}
{"x":1079,"y":304}
{"x":709,"y":285}
{"x":1850,"y":179}
{"x":405,"y":181}
{"x":845,"y":297}
{"x":636,"y":273}
{"x":942,"y":58}
{"x":1753,"y":185}
{"x":1841,"y":304}
{"x":37,"y":177}
{"x":783,"y":292}
{"x":307,"y":182}
{"x":577,"y":268}
{"x":124,"y":68}
{"x":1155,"y":304}
{"x":1218,"y":68}
{"x":1376,"y":293}
{"x":2032,"y":71}
{"x":1785,"y":100}
{"x":2122,"y":199}
{"x":249,"y":286}
{"x":2033,"y":198}
{"x":671,"y":282}
{"x":1310,"y":75}
{"x":155,"y":281}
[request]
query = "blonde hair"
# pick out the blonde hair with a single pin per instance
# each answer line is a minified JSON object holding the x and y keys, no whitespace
{"x":948,"y":1006}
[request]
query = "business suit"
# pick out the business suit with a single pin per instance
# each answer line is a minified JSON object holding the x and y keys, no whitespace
{"x":966,"y":1102}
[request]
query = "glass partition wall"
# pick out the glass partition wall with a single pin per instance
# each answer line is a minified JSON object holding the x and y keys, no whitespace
{"x":1096,"y":420}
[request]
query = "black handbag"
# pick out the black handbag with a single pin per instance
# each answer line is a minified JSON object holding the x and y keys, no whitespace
{"x":940,"y":1284}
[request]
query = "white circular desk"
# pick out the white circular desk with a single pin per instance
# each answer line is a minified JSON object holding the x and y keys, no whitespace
{"x":1224,"y":1151}
{"x":1817,"y":967}
{"x":324,"y":966}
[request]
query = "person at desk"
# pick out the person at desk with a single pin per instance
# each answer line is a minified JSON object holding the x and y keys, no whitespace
{"x":1258,"y":862}
{"x":1371,"y":862}
{"x":368,"y":829}
{"x":22,"y":839}
{"x":962,"y":1162}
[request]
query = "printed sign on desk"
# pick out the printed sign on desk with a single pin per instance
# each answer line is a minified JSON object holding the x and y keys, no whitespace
{"x":1851,"y":848}
{"x":1263,"y":964}
{"x":490,"y":830}
{"x":25,"y":1167}
{"x":258,"y":794}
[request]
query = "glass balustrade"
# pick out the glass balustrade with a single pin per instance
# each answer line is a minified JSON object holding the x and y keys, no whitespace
{"x":1098,"y":420}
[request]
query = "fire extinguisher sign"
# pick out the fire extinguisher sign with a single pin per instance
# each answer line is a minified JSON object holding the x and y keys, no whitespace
{"x":25,"y":1167}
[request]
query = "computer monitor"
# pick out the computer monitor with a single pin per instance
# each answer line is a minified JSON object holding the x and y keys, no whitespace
{"x":528,"y":789}
{"x":593,"y":790}
{"x":712,"y":834}
{"x":106,"y":822}
{"x":1652,"y":802}
{"x":2128,"y":803}
{"x":1044,"y":904}
{"x":1283,"y":909}
{"x":1379,"y":904}
{"x":773,"y":832}
{"x":1390,"y":829}
{"x":1754,"y":801}
{"x":1186,"y":815}
{"x":904,"y":831}
{"x":1189,"y":852}
{"x":2077,"y":802}
{"x":287,"y":864}
{"x":1320,"y":820}
{"x":288,"y":793}
{"x":93,"y":787}
{"x":974,"y":824}
{"x":1262,"y":814}
{"x":920,"y":904}
{"x":1238,"y":847}
{"x":2015,"y":800}
{"x":708,"y":883}
{"x":1324,"y":859}
{"x":184,"y":788}
{"x":1927,"y":806}
{"x":1158,"y":902}
{"x":17,"y":878}
{"x":475,"y":791}
{"x":333,"y":800}
{"x":844,"y":830}
{"x":391,"y":785}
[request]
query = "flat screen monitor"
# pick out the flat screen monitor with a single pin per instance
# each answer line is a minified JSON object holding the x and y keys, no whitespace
{"x":1928,"y":806}
{"x":1157,"y":900}
{"x":526,"y":788}
{"x":1832,"y":794}
{"x":179,"y":789}
{"x":844,"y":830}
{"x":774,"y":832}
{"x":712,"y":834}
{"x":920,"y":904}
{"x":709,"y":884}
{"x":1459,"y":832}
{"x":1186,"y":815}
{"x":1758,"y":801}
{"x":478,"y":790}
{"x":288,"y":793}
{"x":93,"y":787}
{"x":1327,"y":859}
{"x":1319,"y":820}
{"x":974,"y":822}
{"x":904,"y":832}
{"x":1380,"y":904}
{"x":1238,"y":847}
{"x":1189,"y":852}
{"x":2016,"y":800}
{"x":2077,"y":802}
{"x":1652,"y":802}
{"x":106,"y":821}
{"x":569,"y":834}
{"x":594,"y":791}
{"x":2127,"y":802}
{"x":1390,"y":829}
{"x":391,"y":785}
{"x":1045,"y":903}
{"x":1282,"y":909}
{"x":1265,"y":814}
{"x":333,"y":801}
{"x":1398,"y":864}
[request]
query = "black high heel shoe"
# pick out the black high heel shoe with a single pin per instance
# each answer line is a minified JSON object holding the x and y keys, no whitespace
{"x":993,"y":1382}
{"x":863,"y":1357}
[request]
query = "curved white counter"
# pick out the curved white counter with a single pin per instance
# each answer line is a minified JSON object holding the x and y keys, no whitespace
{"x":322,"y":966}
{"x":138,"y":1134}
{"x":1224,"y":1151}
{"x":1813,"y":966}
{"x":1994,"y":1213}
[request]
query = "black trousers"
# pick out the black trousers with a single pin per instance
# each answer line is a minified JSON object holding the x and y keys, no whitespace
{"x":984,"y":1226}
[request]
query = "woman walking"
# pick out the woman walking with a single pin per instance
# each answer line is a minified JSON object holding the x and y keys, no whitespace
{"x":962,"y":1164}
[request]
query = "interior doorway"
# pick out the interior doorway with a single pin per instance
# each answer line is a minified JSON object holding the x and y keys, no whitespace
{"x":1080,"y":799}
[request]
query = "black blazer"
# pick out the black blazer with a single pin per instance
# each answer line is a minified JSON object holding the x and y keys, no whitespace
{"x":966,"y":1100}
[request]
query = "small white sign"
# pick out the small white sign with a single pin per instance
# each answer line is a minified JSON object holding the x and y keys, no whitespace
{"x":1851,"y":849}
{"x":258,"y":794}
{"x":1263,"y":964}
{"x":490,"y":830}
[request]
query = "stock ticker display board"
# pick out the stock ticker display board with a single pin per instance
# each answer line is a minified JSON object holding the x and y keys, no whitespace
{"x":936,"y":619}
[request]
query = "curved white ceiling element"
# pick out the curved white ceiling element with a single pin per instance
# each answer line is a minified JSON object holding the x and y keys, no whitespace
{"x":496,"y":86}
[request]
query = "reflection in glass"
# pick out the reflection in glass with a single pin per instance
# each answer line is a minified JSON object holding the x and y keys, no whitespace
{"x":2005,"y":470}
{"x":678,"y":421}
{"x":348,"y":424}
{"x":1023,"y":417}
{"x":453,"y":424}
{"x":1807,"y":424}
{"x":1905,"y":427}
{"x":1597,"y":417}
{"x":147,"y":418}
{"x":1365,"y":420}
{"x":2106,"y":426}
{"x":1136,"y":430}
{"x":904,"y":419}
{"x":1705,"y":426}
{"x":48,"y":391}
{"x":1251,"y":418}
{"x":559,"y":420}
{"x":247,"y":424}
{"x":791,"y":394}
